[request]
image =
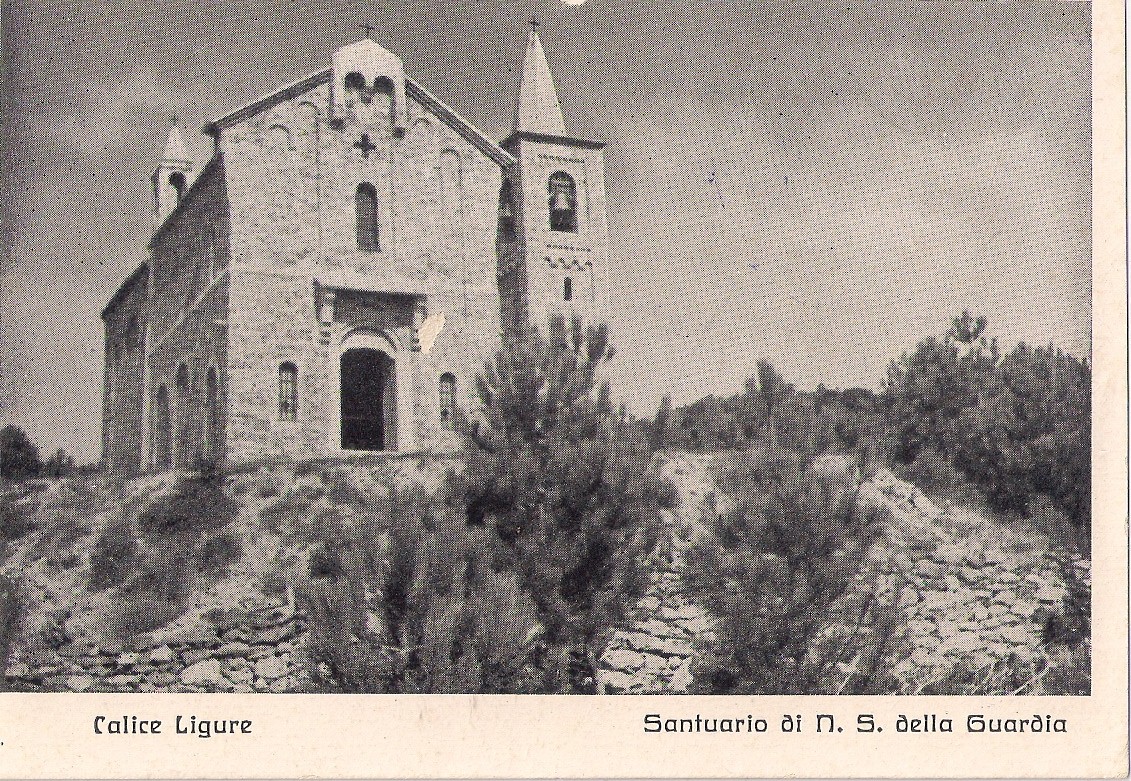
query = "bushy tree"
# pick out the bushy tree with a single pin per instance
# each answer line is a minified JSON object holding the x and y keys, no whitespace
{"x":1014,"y":425}
{"x":411,"y":601}
{"x":59,"y":465}
{"x":775,"y":568}
{"x":563,"y":480}
{"x":19,"y":458}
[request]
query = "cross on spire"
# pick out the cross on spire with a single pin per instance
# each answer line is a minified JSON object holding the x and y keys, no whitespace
{"x":534,"y":23}
{"x":368,"y":30}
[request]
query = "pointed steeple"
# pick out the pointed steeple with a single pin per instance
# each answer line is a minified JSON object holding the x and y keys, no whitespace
{"x":539,"y":110}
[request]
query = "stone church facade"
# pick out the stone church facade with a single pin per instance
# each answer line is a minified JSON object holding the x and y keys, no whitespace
{"x":338,"y":272}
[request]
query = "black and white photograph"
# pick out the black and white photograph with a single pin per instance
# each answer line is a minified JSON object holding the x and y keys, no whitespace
{"x":593,"y":347}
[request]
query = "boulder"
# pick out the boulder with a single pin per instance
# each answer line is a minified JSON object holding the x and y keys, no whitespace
{"x":962,"y":643}
{"x":79,"y":683}
{"x":950,"y":554}
{"x":638,"y":641}
{"x":681,"y":678}
{"x":161,"y":654}
{"x":270,"y":667}
{"x":1017,"y":634}
{"x":204,"y":673}
{"x":622,"y":659}
{"x":233,"y":649}
{"x":273,"y":635}
{"x":617,"y":682}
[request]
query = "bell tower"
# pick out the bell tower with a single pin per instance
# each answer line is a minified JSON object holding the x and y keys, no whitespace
{"x":170,"y":180}
{"x":554,"y":198}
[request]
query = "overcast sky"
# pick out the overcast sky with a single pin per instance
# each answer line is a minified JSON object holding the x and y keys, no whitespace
{"x":819,"y":185}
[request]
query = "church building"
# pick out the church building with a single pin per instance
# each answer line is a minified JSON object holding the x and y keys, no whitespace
{"x":335,"y":276}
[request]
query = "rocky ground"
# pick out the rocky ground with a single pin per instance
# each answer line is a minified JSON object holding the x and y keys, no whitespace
{"x":971,"y":595}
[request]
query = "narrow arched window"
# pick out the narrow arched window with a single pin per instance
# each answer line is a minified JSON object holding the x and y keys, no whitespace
{"x":177,"y":180}
{"x":212,"y":397}
{"x":368,"y":233}
{"x":563,"y":203}
{"x":183,"y":418}
{"x":288,"y":391}
{"x":567,"y":289}
{"x":506,"y":212}
{"x":448,"y":401}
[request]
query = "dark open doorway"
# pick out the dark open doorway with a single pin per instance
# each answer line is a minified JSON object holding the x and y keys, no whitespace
{"x":368,"y":400}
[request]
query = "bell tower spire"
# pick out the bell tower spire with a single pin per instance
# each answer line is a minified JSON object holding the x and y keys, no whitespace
{"x":553,"y":222}
{"x":539,"y":110}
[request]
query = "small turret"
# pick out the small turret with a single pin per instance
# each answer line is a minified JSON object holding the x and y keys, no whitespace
{"x":170,"y":180}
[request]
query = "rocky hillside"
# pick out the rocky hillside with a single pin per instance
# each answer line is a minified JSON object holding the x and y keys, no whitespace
{"x":972,"y":594}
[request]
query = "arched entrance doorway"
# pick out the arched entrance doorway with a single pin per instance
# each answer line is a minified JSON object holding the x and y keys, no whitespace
{"x":368,"y":400}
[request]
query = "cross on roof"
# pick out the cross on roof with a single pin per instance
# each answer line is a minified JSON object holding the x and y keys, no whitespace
{"x":368,"y":30}
{"x":365,"y":145}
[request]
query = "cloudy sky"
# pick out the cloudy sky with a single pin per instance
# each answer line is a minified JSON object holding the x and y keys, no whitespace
{"x":819,"y":185}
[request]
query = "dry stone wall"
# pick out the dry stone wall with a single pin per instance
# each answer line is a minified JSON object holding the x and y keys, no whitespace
{"x":971,"y":594}
{"x":243,"y":651}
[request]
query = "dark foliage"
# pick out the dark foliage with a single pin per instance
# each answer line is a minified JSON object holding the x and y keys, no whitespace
{"x":195,"y":506}
{"x":59,"y":465}
{"x":776,"y":567}
{"x":563,"y":479}
{"x":16,"y":520}
{"x":1073,"y":624}
{"x":1016,"y":425}
{"x":115,"y":556}
{"x":19,"y":458}
{"x":410,"y":601}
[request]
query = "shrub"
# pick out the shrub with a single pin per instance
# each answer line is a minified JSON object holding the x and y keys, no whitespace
{"x":1016,"y":425}
{"x":16,"y":519}
{"x":776,"y":568}
{"x":115,"y":556}
{"x":563,"y":479}
{"x":220,"y":551}
{"x":19,"y":458}
{"x":413,"y":603}
{"x":194,"y":506}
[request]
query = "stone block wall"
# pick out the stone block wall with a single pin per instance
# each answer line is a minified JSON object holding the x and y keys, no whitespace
{"x":292,"y":177}
{"x":125,"y":323}
{"x":245,"y":651}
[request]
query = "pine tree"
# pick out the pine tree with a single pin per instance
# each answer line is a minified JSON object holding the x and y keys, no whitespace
{"x":564,"y":481}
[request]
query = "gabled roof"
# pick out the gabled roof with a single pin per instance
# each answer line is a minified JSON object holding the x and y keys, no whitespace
{"x":212,"y":165}
{"x":124,"y":288}
{"x":446,"y":114}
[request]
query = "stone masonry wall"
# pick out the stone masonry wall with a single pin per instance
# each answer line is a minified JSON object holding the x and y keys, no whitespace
{"x":241,"y":651}
{"x":970,"y":593}
{"x":292,"y":177}
{"x":123,"y":396}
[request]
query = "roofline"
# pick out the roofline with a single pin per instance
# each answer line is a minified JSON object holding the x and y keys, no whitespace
{"x":450,"y":116}
{"x":209,"y":167}
{"x":266,"y":101}
{"x":468,"y":131}
{"x":124,"y":288}
{"x":545,"y":139}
